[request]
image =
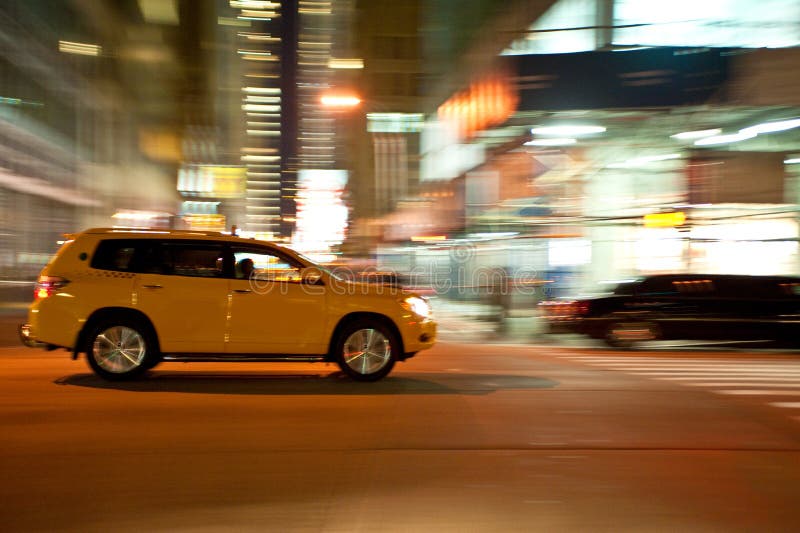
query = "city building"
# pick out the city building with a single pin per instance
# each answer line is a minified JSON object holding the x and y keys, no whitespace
{"x":603,"y":140}
{"x":89,"y":131}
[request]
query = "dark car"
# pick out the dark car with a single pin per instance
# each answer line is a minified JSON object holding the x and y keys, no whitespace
{"x":686,"y":306}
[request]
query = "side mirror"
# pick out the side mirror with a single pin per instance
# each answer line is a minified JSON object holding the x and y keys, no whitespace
{"x":311,"y":276}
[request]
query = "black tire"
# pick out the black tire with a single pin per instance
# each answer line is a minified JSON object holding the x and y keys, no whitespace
{"x":121,"y":348}
{"x":627,"y":334}
{"x":378,"y":354}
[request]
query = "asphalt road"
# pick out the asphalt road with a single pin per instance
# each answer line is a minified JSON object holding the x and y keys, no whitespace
{"x":460,"y":438}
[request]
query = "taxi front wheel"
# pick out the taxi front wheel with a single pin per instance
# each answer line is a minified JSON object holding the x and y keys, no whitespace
{"x":119,"y":349}
{"x":366,"y":350}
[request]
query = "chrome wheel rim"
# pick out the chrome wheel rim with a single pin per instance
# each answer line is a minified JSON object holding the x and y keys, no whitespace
{"x":119,"y":349}
{"x":366,"y":351}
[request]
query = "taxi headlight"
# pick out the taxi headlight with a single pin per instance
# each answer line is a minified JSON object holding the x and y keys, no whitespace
{"x":417,"y":305}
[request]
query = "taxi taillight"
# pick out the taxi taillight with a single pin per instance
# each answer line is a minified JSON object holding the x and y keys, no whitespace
{"x":47,"y":286}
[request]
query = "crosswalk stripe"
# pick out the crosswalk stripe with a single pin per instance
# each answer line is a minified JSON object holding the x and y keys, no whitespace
{"x":686,"y":360}
{"x":759,"y":392}
{"x":765,"y":384}
{"x":726,"y":364}
{"x":723,"y":377}
{"x":740,"y":368}
{"x":768,"y":378}
{"x":693,"y":376}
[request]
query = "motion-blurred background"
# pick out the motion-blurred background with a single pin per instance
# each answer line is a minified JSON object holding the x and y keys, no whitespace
{"x":490,"y":154}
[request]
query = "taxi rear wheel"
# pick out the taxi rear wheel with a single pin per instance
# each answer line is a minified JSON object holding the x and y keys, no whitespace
{"x":366,"y":350}
{"x":119,"y":349}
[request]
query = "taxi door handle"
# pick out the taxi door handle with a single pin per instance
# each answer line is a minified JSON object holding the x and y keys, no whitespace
{"x":152,"y":286}
{"x":242,"y":291}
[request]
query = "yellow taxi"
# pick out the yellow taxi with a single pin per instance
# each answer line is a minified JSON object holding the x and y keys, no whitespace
{"x":130,"y":299}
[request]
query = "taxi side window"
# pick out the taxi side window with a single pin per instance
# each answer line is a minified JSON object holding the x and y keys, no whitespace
{"x":264,"y":265}
{"x":197,"y":259}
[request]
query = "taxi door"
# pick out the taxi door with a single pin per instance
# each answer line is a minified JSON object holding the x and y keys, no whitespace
{"x":271,"y":311}
{"x":184,"y":292}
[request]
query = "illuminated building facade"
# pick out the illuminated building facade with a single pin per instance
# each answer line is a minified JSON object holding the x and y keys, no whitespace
{"x":83,"y":140}
{"x":285,"y":50}
{"x":681,"y":153}
{"x":267,"y":34}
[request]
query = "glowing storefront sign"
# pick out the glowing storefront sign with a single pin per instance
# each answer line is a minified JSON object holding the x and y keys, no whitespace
{"x":202,"y":222}
{"x":321,"y":220}
{"x":487,"y":102}
{"x":212,"y":181}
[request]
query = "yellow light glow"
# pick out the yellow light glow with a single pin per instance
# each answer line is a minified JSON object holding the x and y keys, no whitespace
{"x":258,"y":37}
{"x":248,"y":13}
{"x":664,"y":220}
{"x":342,"y":63}
{"x":261,"y":90}
{"x":254,"y":4}
{"x":253,"y":57}
{"x":69,"y":47}
{"x":139,"y":215}
{"x":428,"y":238}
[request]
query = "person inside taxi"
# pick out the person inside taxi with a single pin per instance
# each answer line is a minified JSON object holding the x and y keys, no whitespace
{"x":245,"y":268}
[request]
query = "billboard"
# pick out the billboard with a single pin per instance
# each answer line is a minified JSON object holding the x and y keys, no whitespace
{"x":212,"y":181}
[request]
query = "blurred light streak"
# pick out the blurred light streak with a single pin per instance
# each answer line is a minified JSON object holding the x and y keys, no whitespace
{"x":263,"y":99}
{"x":567,"y":131}
{"x":69,"y":47}
{"x":340,"y":101}
{"x":724,"y":139}
{"x":555,"y":141}
{"x":40,"y":187}
{"x":639,"y":161}
{"x":696,"y":134}
{"x":342,"y":63}
{"x":258,"y":37}
{"x":428,"y":238}
{"x":261,"y":107}
{"x":227,"y":21}
{"x":254,"y":4}
{"x":261,"y":90}
{"x":771,"y":127}
{"x":259,"y":15}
